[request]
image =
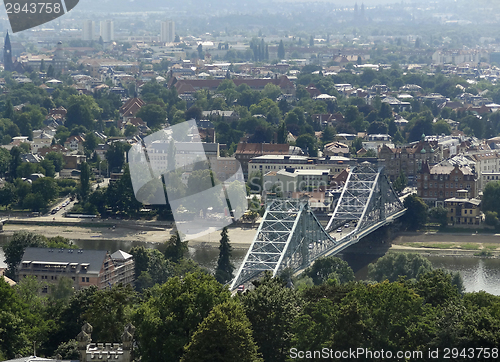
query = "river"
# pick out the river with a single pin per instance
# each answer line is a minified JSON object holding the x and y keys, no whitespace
{"x":477,"y":273}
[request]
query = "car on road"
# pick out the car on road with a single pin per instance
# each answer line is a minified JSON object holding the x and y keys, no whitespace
{"x":339,"y":230}
{"x":311,"y":246}
{"x":241,"y":288}
{"x":346,"y":226}
{"x":53,"y":211}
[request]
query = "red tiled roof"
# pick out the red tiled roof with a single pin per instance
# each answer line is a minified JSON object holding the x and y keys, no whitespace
{"x":262,"y":148}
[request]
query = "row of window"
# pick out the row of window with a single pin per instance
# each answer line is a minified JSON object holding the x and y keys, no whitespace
{"x":446,"y":185}
{"x":54,"y":277}
{"x":444,"y":177}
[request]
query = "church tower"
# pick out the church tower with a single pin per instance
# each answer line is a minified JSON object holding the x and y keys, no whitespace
{"x":7,"y":54}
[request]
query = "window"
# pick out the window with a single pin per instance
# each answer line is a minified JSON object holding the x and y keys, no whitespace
{"x":87,"y":280}
{"x":465,"y":211}
{"x":83,"y":279}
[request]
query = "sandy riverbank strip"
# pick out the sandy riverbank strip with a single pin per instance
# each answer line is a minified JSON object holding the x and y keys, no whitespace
{"x":239,"y":237}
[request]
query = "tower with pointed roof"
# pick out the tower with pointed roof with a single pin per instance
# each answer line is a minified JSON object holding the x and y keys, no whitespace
{"x":7,"y":54}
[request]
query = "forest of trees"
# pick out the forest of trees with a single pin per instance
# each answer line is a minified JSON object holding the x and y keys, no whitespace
{"x":182,"y":313}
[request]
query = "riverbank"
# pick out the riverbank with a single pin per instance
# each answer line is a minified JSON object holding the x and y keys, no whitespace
{"x":241,"y":238}
{"x":448,"y":244}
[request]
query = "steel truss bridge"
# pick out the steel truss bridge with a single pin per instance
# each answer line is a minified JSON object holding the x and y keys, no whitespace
{"x":290,"y":235}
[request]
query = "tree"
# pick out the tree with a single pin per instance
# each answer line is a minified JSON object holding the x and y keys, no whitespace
{"x":47,"y":187}
{"x":13,"y":333}
{"x":115,"y":155}
{"x":68,"y":350}
{"x":328,"y":135}
{"x":416,"y":213}
{"x":8,"y":110}
{"x":153,"y":115}
{"x":175,"y":248}
{"x":224,"y":335}
{"x":224,"y":271}
{"x":308,"y":144}
{"x":491,"y":218}
{"x":272,"y":308}
{"x":49,"y":168}
{"x":440,"y":215}
{"x":282,"y":133}
{"x":50,"y":72}
{"x":385,"y":111}
{"x":437,"y":288}
{"x":109,"y":311}
{"x":281,"y":50}
{"x":393,"y":265}
{"x":14,"y":250}
{"x":377,"y":128}
{"x":172,"y":312}
{"x":84,"y":180}
{"x":5,"y":159}
{"x":441,"y":127}
{"x":400,"y":182}
{"x":82,"y":111}
{"x":327,"y":268}
{"x":57,"y":160}
{"x":491,"y":197}
{"x":90,"y":144}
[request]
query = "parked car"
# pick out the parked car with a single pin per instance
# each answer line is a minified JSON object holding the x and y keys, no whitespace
{"x":241,"y":288}
{"x":339,"y":230}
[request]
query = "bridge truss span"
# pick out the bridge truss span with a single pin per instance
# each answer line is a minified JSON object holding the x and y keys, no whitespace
{"x":290,"y":235}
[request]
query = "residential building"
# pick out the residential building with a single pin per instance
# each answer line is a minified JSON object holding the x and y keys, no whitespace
{"x":119,"y":269}
{"x":443,"y":181}
{"x":266,"y":163}
{"x":336,"y":149}
{"x":88,"y":30}
{"x":101,"y":150}
{"x":488,"y":177}
{"x":246,"y":151}
{"x":227,"y":116}
{"x":289,"y":180}
{"x":107,"y":31}
{"x":462,"y":210}
{"x":486,"y":163}
{"x":41,"y":141}
{"x":83,"y":267}
{"x":225,"y":167}
{"x":167,"y":31}
{"x":408,"y":159}
{"x":73,"y":161}
{"x":186,"y":154}
{"x":75,"y":143}
{"x":130,"y":109}
{"x":192,"y":85}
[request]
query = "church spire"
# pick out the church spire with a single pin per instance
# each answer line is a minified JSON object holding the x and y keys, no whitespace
{"x":7,"y":54}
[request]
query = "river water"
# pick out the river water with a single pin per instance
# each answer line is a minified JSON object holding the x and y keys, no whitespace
{"x":477,"y":273}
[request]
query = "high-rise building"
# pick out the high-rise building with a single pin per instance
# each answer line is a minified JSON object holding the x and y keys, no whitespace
{"x":107,"y":31}
{"x":88,"y":30}
{"x":167,"y":31}
{"x":7,"y":54}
